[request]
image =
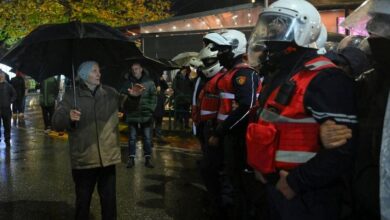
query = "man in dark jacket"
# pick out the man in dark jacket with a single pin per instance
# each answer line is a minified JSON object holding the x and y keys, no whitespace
{"x":19,"y":85}
{"x":371,"y":191}
{"x":49,"y":90}
{"x":7,"y":96}
{"x":161,"y":86}
{"x":182,"y":87}
{"x":139,"y":110}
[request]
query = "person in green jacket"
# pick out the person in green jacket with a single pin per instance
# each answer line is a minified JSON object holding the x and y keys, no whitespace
{"x":139,"y":110}
{"x":49,"y":90}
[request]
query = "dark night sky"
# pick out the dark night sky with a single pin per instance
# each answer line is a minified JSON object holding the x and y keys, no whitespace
{"x":182,"y":7}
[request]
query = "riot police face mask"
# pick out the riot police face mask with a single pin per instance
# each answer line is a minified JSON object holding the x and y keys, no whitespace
{"x":274,"y":53}
{"x":225,"y":57}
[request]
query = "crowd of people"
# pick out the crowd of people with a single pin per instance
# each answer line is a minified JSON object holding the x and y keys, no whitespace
{"x":13,"y":102}
{"x":288,"y":130}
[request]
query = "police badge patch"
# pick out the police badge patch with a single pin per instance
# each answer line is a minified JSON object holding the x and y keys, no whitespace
{"x":241,"y":80}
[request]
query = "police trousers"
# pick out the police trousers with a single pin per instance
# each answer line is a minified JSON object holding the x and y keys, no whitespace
{"x":322,"y":204}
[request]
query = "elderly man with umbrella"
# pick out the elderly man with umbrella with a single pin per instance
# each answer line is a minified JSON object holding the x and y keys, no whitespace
{"x":93,"y":137}
{"x":89,"y":111}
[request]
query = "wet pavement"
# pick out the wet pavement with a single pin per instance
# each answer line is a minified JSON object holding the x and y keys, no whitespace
{"x":36,"y":182}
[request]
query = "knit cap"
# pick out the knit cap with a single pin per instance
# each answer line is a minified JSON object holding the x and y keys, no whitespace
{"x":85,"y":69}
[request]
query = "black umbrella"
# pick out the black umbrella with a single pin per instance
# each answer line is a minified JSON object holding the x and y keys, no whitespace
{"x":54,"y":49}
{"x":171,"y":64}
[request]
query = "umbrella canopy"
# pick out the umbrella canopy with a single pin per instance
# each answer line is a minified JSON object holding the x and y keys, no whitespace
{"x":59,"y":48}
{"x":171,"y":64}
{"x":183,"y":59}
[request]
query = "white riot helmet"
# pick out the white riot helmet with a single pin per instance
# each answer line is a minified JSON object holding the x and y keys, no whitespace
{"x":229,"y":38}
{"x":288,"y":21}
{"x":320,"y":42}
{"x":209,"y":60}
{"x":373,"y":15}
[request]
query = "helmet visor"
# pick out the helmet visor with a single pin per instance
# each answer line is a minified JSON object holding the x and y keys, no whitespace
{"x":255,"y":52}
{"x":273,"y":27}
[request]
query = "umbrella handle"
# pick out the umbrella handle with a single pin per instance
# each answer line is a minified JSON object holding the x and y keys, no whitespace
{"x":74,"y":87}
{"x":74,"y":124}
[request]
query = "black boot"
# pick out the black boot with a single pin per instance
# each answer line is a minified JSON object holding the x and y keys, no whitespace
{"x":148,"y":162}
{"x":130,"y":162}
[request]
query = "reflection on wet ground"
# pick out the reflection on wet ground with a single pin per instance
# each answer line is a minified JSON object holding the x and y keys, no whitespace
{"x":36,"y":183}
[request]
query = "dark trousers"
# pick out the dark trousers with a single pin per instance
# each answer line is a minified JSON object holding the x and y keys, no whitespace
{"x":5,"y":114}
{"x":324,"y":204}
{"x":18,"y":106}
{"x":211,"y":168}
{"x":85,"y":181}
{"x":157,"y":126}
{"x":47,"y":113}
{"x":146,"y":129}
{"x":248,"y":194}
{"x":182,"y":115}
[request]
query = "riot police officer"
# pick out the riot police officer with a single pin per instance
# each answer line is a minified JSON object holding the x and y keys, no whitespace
{"x":371,"y":178}
{"x":238,"y":88}
{"x":204,"y":115}
{"x":301,"y":90}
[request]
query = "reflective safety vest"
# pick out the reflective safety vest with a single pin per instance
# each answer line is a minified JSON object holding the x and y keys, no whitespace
{"x":286,"y":136}
{"x":227,"y":91}
{"x":209,"y":98}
